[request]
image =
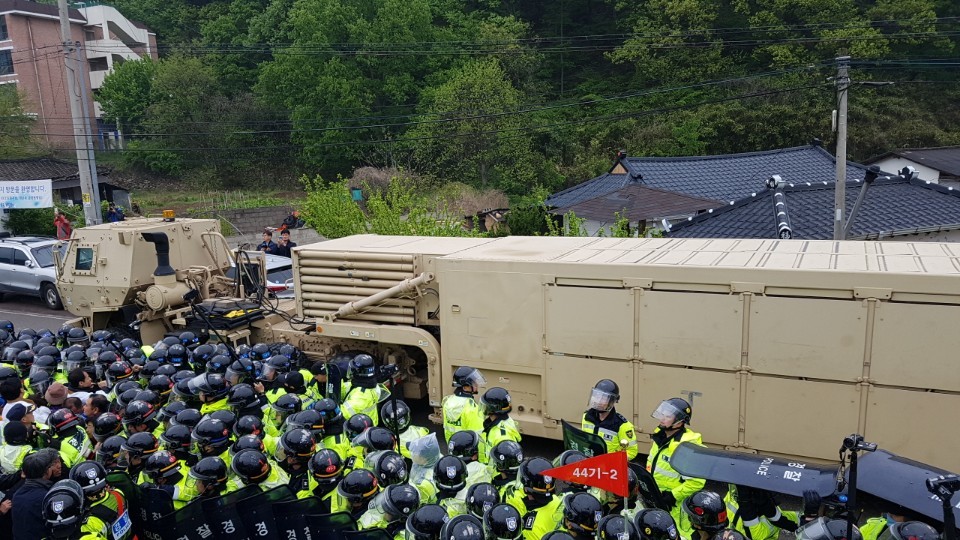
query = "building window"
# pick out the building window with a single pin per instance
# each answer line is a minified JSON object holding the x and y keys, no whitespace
{"x":6,"y":62}
{"x":4,"y":35}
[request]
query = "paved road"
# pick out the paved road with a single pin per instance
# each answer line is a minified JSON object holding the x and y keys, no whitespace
{"x":27,"y":312}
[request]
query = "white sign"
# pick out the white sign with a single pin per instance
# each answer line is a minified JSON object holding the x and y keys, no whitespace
{"x":26,"y":194}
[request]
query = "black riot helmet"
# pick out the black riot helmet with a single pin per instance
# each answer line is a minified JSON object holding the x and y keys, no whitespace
{"x":5,"y":338}
{"x":532,"y":479}
{"x":128,"y":343}
{"x":159,"y":356}
{"x":247,"y":442}
{"x":274,"y":367}
{"x":363,"y":370}
{"x":728,"y":534}
{"x":506,"y":456}
{"x":7,"y":372}
{"x":604,"y":395}
{"x":203,"y":353}
{"x":118,"y":371}
{"x":227,"y":417}
{"x":909,"y":530}
{"x":463,"y":527}
{"x":466,"y":376}
{"x":496,"y":401}
{"x":248,"y":425}
{"x":376,"y":438}
{"x":827,"y":529}
{"x":210,"y":438}
{"x":7,"y":326}
{"x":425,"y":522}
{"x":398,"y":501}
{"x":212,"y":471}
{"x":581,"y":513}
{"x":138,"y":412}
{"x":178,"y":355}
{"x":358,"y":486}
{"x":293,"y":353}
{"x":357,"y":424}
{"x":63,"y":509}
{"x":450,"y":475}
{"x":24,"y":362}
{"x":101,"y":336}
{"x":208,"y":386}
{"x":284,"y":406}
{"x":218,"y":363}
{"x":241,"y":370}
{"x":297,"y":445}
{"x":242,"y":396}
{"x":309,"y":420}
{"x":91,"y":476}
{"x":389,"y":467}
{"x":326,"y":467}
{"x":465,"y":445}
{"x":673,"y":411}
{"x":481,"y":497}
{"x":616,"y":527}
{"x":140,"y":445}
{"x":502,"y":522}
{"x":161,"y":384}
{"x":162,"y":464}
{"x":77,"y":336}
{"x":176,"y":439}
{"x":189,"y":340}
{"x":40,"y":381}
{"x":706,"y":510}
{"x":108,"y":454}
{"x":105,"y":426}
{"x":395,"y":417}
{"x":170,"y":410}
{"x":260,"y":351}
{"x":251,"y":466}
{"x":187,"y":417}
{"x":328,"y":408}
{"x":62,"y":421}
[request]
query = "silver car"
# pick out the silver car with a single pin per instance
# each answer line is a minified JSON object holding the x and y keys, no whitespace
{"x":27,"y":267}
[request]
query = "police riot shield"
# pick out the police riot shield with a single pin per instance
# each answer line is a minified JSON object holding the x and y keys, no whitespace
{"x":155,"y":503}
{"x":576,"y":439}
{"x":786,"y":476}
{"x":257,"y":512}
{"x":291,"y":517}
{"x":650,"y":494}
{"x":189,"y":523}
{"x":901,"y":481}
{"x":369,"y":534}
{"x":331,"y":526}
{"x":223,"y":515}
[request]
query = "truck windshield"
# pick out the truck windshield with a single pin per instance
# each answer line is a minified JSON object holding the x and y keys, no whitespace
{"x":43,"y":255}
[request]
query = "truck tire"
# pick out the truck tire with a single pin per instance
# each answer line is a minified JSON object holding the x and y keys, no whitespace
{"x":50,"y":296}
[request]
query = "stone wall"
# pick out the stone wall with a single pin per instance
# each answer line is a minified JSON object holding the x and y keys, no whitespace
{"x":252,"y":221}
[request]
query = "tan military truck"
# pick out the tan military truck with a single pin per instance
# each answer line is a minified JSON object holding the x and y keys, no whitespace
{"x":784,"y":347}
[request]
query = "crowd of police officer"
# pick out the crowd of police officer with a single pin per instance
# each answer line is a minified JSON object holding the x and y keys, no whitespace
{"x":161,"y":426}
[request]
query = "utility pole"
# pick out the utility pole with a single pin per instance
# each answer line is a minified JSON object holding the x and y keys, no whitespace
{"x":840,"y":193}
{"x":81,"y":124}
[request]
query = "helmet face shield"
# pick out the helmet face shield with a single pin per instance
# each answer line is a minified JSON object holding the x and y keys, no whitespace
{"x":268,"y":374}
{"x":475,"y":379}
{"x":815,"y":530}
{"x":667,"y":414}
{"x":601,"y":400}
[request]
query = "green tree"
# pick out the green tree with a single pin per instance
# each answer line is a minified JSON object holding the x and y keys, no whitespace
{"x":16,"y":140}
{"x":467,"y":132}
{"x":125,"y":93}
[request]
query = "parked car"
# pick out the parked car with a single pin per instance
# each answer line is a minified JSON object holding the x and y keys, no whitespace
{"x":27,"y":267}
{"x":279,"y":276}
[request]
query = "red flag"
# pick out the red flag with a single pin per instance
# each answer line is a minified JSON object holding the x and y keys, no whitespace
{"x":607,"y":472}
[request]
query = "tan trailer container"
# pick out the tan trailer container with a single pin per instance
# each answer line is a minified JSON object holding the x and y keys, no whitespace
{"x":784,"y":347}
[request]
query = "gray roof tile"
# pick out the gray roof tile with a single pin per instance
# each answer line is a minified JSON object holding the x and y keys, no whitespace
{"x":893,"y":206}
{"x":722,"y":178}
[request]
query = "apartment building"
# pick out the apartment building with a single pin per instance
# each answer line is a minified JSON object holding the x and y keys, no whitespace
{"x":32,"y":61}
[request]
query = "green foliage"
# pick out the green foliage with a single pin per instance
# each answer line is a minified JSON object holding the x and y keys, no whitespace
{"x":39,"y":221}
{"x":15,"y":125}
{"x":125,"y":93}
{"x":330,"y":210}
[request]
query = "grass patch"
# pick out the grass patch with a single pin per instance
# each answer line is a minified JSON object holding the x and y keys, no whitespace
{"x":186,"y":201}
